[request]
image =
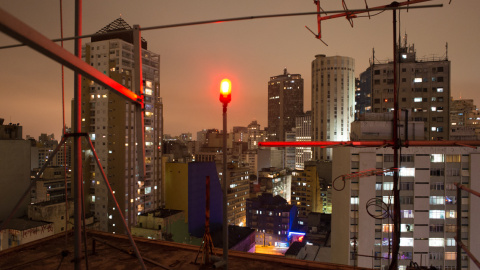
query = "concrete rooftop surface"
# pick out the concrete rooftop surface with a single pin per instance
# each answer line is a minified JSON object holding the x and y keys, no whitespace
{"x":112,"y":252}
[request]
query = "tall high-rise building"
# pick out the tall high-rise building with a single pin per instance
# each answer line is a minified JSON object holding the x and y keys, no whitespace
{"x":110,"y":121}
{"x":423,"y":89}
{"x":303,"y":133}
{"x":333,"y":100}
{"x":285,"y":102}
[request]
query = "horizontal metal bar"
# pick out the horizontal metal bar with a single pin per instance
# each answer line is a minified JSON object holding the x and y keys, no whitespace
{"x":17,"y":29}
{"x":384,"y":143}
{"x":460,"y":186}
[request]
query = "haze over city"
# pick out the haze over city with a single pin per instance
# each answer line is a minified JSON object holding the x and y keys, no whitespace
{"x":194,"y":59}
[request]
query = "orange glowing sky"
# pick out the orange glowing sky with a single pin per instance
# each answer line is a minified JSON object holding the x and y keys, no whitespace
{"x":194,"y":59}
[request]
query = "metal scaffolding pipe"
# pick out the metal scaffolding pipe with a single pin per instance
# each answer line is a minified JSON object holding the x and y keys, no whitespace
{"x":380,"y":143}
{"x":29,"y":36}
{"x":77,"y":140}
{"x":117,"y":206}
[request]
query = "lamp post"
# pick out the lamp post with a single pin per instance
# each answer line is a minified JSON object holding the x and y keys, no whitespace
{"x":225,"y":98}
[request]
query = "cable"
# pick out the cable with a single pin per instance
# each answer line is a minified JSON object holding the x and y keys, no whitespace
{"x":378,"y":13}
{"x":82,"y":201}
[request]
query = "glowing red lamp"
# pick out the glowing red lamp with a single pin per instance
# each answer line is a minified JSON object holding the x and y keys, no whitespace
{"x":225,"y":91}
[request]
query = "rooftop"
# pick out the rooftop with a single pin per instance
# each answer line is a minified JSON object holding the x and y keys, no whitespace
{"x":113,"y":252}
{"x":20,"y":224}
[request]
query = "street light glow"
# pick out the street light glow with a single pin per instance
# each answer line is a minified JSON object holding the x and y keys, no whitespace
{"x":225,"y":91}
{"x":226,"y":87}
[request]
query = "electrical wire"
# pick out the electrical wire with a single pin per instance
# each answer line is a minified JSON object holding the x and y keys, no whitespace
{"x":82,"y":201}
{"x":364,"y":16}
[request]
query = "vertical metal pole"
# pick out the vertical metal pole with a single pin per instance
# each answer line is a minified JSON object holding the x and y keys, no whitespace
{"x":77,"y":151}
{"x":139,"y":113}
{"x":459,"y":227}
{"x":224,"y":178}
{"x":396,"y":192}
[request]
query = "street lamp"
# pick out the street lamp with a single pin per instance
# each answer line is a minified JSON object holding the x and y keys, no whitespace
{"x":225,"y":98}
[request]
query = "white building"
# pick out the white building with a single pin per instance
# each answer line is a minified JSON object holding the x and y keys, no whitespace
{"x":333,"y":100}
{"x":428,"y":206}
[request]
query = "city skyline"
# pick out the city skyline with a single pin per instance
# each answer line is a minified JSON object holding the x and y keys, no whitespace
{"x":194,"y":59}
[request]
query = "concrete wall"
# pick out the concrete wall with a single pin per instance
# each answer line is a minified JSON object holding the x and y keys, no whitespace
{"x":176,"y":187}
{"x":14,"y":176}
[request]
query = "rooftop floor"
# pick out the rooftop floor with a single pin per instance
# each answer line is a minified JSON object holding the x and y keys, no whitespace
{"x":47,"y":254}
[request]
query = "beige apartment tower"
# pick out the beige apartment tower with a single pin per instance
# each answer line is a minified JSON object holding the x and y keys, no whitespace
{"x":109,"y":120}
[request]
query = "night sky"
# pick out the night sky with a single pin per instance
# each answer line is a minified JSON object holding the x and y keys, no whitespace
{"x":194,"y":59}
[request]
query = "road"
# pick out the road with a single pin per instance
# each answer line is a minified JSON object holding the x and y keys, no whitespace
{"x":272,"y":250}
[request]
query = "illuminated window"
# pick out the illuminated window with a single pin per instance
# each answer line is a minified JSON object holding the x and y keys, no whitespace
{"x":406,"y":227}
{"x":436,"y":242}
{"x":437,"y":200}
{"x":405,"y":172}
{"x":451,"y":242}
{"x":440,"y":90}
{"x":437,"y":214}
{"x":387,"y":228}
{"x":451,"y":213}
{"x":406,"y":213}
{"x":436,"y":158}
{"x":406,"y":242}
{"x":354,"y":200}
{"x":148,"y":91}
{"x":450,"y":256}
{"x":417,"y":80}
{"x":453,"y":158}
{"x":388,"y":186}
{"x":388,"y":199}
{"x":417,"y":99}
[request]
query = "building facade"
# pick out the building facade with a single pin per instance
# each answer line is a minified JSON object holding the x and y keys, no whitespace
{"x":285,"y":102}
{"x":14,"y":169}
{"x":110,"y":121}
{"x":428,"y":206}
{"x":306,"y":191}
{"x":255,"y":135}
{"x":272,"y":218}
{"x":464,"y":120}
{"x":333,"y":101}
{"x":423,"y":90}
{"x":303,"y":133}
